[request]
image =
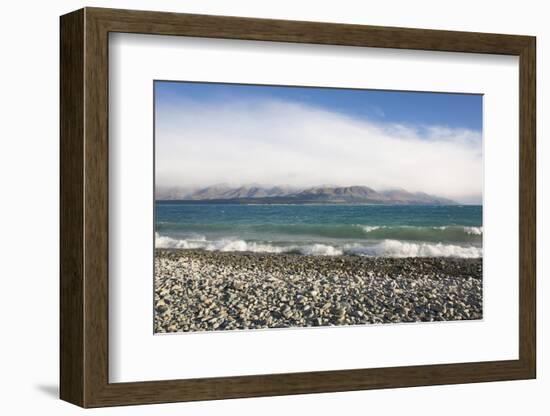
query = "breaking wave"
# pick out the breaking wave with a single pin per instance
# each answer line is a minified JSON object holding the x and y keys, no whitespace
{"x":384,"y":248}
{"x":433,"y":234}
{"x":447,"y":233}
{"x":395,"y":248}
{"x":473,"y":230}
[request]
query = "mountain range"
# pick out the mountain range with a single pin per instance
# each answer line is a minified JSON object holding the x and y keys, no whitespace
{"x":254,"y":194}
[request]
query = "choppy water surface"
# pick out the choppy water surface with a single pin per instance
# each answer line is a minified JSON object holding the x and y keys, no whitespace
{"x":370,"y":230}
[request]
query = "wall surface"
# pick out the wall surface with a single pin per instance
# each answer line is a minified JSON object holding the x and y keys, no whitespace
{"x":29,"y":210}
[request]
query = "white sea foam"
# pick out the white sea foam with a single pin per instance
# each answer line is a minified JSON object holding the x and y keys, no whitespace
{"x":216,"y":245}
{"x":385,"y":248}
{"x":369,"y":228}
{"x":395,"y":248}
{"x":320,"y":250}
{"x":162,"y":241}
{"x":467,"y":230}
{"x":241,"y":245}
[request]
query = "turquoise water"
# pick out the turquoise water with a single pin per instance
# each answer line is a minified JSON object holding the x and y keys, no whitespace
{"x":370,"y":230}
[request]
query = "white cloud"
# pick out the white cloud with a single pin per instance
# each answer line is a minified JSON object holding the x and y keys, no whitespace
{"x":283,"y":143}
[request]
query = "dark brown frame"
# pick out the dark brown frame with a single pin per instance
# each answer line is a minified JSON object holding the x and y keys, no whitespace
{"x":84,"y":208}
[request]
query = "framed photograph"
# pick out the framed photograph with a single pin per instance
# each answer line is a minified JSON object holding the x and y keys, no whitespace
{"x":255,"y":207}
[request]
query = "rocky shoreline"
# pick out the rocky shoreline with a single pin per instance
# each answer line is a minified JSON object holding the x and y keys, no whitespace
{"x":198,"y":290}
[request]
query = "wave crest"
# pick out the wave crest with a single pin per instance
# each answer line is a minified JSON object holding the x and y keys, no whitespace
{"x":432,"y":234}
{"x":216,"y":245}
{"x":385,"y":248}
{"x":395,"y":248}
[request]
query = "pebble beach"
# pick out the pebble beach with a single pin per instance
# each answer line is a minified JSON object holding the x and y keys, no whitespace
{"x":198,"y":290}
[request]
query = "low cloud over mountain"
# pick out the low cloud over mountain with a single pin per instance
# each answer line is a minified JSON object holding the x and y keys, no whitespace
{"x":290,"y":195}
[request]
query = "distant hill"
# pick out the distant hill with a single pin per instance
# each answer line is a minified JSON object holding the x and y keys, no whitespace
{"x":286,"y":195}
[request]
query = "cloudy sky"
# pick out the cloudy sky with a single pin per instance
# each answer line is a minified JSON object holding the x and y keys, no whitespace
{"x":208,"y":134}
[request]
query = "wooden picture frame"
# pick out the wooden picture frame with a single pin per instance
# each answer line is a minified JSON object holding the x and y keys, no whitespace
{"x":84,"y":207}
